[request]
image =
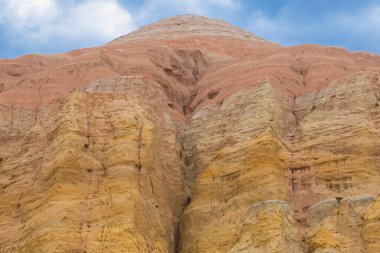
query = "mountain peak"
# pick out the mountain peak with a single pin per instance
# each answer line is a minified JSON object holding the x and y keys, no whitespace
{"x":189,"y":25}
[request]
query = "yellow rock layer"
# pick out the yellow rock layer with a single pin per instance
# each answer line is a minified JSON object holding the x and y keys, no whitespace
{"x":97,"y":173}
{"x":113,"y":168}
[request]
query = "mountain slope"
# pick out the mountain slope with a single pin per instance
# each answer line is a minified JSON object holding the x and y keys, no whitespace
{"x":190,"y":135}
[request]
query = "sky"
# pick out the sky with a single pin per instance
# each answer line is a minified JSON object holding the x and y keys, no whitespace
{"x":54,"y":26}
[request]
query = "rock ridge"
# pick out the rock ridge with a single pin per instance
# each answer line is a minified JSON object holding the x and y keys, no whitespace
{"x":188,"y":25}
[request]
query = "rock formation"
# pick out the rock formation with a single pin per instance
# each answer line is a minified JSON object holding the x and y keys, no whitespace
{"x":191,"y":135}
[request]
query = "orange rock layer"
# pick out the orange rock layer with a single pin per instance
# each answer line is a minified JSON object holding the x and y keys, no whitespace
{"x":190,"y":135}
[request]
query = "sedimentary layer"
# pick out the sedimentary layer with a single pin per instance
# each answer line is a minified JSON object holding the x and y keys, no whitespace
{"x":190,"y":135}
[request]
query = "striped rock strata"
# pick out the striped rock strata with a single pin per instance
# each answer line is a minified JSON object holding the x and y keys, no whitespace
{"x":190,"y":135}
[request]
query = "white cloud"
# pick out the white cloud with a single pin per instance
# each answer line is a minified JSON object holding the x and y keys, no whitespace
{"x":352,"y":29}
{"x":60,"y":25}
{"x":40,"y":21}
{"x":97,"y":19}
{"x":362,"y":21}
{"x":278,"y":28}
{"x":27,"y":15}
{"x":264,"y":24}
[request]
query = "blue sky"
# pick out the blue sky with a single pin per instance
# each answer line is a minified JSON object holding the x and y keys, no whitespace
{"x":53,"y":26}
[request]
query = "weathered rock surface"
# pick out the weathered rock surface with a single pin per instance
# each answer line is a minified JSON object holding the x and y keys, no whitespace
{"x":190,"y":135}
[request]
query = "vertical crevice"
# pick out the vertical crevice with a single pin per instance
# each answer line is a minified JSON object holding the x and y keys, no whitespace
{"x":139,"y":143}
{"x":12,"y":115}
{"x":151,"y":184}
{"x":38,"y":104}
{"x":177,"y":237}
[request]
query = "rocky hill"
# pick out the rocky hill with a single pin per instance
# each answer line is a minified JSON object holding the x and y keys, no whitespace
{"x":191,"y":135}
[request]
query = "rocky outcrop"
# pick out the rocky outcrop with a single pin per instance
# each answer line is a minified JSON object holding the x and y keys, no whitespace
{"x":190,"y":135}
{"x":94,"y":173}
{"x":274,"y":147}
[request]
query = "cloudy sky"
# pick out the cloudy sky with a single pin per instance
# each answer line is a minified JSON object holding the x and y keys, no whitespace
{"x":51,"y":26}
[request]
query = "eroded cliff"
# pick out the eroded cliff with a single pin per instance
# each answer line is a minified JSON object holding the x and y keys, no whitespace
{"x":190,"y":135}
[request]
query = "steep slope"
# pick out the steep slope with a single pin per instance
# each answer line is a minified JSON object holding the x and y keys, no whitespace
{"x":190,"y":135}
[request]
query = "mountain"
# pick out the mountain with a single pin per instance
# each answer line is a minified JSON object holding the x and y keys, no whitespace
{"x":191,"y":135}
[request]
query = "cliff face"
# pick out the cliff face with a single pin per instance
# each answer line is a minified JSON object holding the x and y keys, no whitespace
{"x":190,"y":135}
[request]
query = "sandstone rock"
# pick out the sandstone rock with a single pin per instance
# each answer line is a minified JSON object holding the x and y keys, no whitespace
{"x":190,"y":135}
